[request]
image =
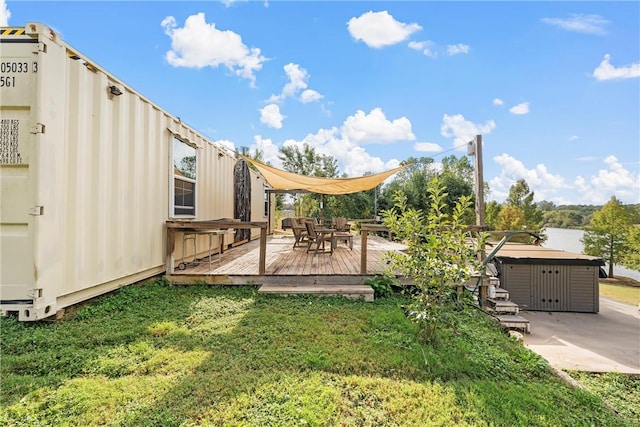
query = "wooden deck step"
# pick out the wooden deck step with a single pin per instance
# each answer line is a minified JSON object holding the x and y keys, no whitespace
{"x":349,"y":291}
{"x":502,"y":294}
{"x":502,"y":306}
{"x":511,"y":321}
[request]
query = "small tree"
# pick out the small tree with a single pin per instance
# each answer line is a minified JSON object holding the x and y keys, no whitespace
{"x":511,"y":218}
{"x":606,"y":234}
{"x":631,"y":254}
{"x":441,"y":255}
{"x":530,"y":216}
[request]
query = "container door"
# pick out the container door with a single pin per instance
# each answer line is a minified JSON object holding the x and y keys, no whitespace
{"x":18,"y":70}
{"x":550,"y":289}
{"x":517,"y":280}
{"x":584,"y":288}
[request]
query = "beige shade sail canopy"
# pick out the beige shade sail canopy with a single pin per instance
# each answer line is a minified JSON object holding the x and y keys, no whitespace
{"x":288,"y":181}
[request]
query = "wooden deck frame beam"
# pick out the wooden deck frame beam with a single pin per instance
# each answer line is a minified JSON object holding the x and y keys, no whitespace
{"x":364,"y":231}
{"x":174,"y":226}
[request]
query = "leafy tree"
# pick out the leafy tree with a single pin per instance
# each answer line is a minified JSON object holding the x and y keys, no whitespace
{"x":492,"y":210}
{"x":630,"y":256}
{"x":546,"y":205}
{"x":255,"y":154}
{"x":354,"y":205}
{"x":606,"y":234}
{"x":188,"y":166}
{"x":440,"y":255}
{"x":457,"y":178}
{"x":511,"y":218}
{"x":521,"y":198}
{"x":456,"y":175}
{"x":306,"y":161}
{"x":412,"y":181}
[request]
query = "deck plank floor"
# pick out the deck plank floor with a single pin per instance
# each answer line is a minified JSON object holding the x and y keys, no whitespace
{"x":283,"y":259}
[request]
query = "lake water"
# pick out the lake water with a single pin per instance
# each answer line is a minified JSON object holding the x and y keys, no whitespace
{"x":569,"y":240}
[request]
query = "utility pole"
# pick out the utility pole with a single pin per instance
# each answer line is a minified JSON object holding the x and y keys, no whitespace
{"x":475,"y":150}
{"x":375,"y":202}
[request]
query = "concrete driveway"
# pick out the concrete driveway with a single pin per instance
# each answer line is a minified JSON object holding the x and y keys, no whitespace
{"x":605,"y":342}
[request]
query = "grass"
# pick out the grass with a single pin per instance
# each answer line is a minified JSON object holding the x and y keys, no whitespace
{"x":161,"y":355}
{"x":621,"y":289}
{"x":620,"y":391}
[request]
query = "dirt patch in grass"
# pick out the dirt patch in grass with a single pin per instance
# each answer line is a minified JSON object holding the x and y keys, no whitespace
{"x":621,"y":281}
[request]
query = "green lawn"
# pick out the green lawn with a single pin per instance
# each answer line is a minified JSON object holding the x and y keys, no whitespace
{"x":159,"y":355}
{"x":622,"y":293}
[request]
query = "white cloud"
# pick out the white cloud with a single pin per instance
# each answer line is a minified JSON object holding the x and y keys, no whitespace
{"x":606,"y":71}
{"x":498,"y":101}
{"x":199,"y":44}
{"x":310,"y":95}
{"x":270,"y":115}
{"x":544,"y":184}
{"x":379,"y":29}
{"x":588,"y":24}
{"x":463,"y":130}
{"x":417,"y":45}
{"x":352,"y":159}
{"x":345,"y":143}
{"x":270,"y":151}
{"x":456,"y":49}
{"x":520,"y":109}
{"x":616,"y":176}
{"x":5,"y":14}
{"x":229,"y":145}
{"x":615,"y":180}
{"x":375,"y":128}
{"x":424,"y":46}
{"x":428,"y":147}
{"x":297,"y":82}
{"x":597,"y":190}
{"x":297,"y":79}
{"x":573,"y":138}
{"x":587,"y":159}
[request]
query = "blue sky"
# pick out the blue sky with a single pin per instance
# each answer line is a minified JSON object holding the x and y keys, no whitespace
{"x":553,"y":87}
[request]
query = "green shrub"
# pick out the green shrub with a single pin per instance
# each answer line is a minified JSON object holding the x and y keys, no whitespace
{"x":382,"y":285}
{"x":440,"y":255}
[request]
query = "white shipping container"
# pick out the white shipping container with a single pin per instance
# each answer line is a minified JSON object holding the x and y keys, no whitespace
{"x":90,"y":172}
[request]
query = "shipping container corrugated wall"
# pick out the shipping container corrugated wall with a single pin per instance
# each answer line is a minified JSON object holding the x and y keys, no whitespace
{"x":551,"y":287}
{"x":550,"y":290}
{"x":585,"y":292}
{"x":87,"y":179}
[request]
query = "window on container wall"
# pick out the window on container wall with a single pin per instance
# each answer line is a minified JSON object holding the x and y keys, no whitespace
{"x":185,"y":161}
{"x":266,"y":201}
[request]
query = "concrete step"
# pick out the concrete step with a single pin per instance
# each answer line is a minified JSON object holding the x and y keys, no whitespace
{"x":349,"y":291}
{"x":502,"y":306}
{"x":502,"y":294}
{"x":511,"y":321}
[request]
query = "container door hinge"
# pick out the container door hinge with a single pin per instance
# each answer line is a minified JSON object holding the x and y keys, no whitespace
{"x":37,"y":128}
{"x":36,"y":211}
{"x":40,"y":47}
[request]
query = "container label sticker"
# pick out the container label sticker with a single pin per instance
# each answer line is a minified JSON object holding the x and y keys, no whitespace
{"x":9,"y":147}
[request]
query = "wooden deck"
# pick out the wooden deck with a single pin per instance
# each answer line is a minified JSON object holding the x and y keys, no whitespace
{"x":286,"y":265}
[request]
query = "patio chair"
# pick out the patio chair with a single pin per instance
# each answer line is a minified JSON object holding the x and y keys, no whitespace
{"x":318,"y":237}
{"x":300,"y":233}
{"x":344,"y":236}
{"x":341,"y":224}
